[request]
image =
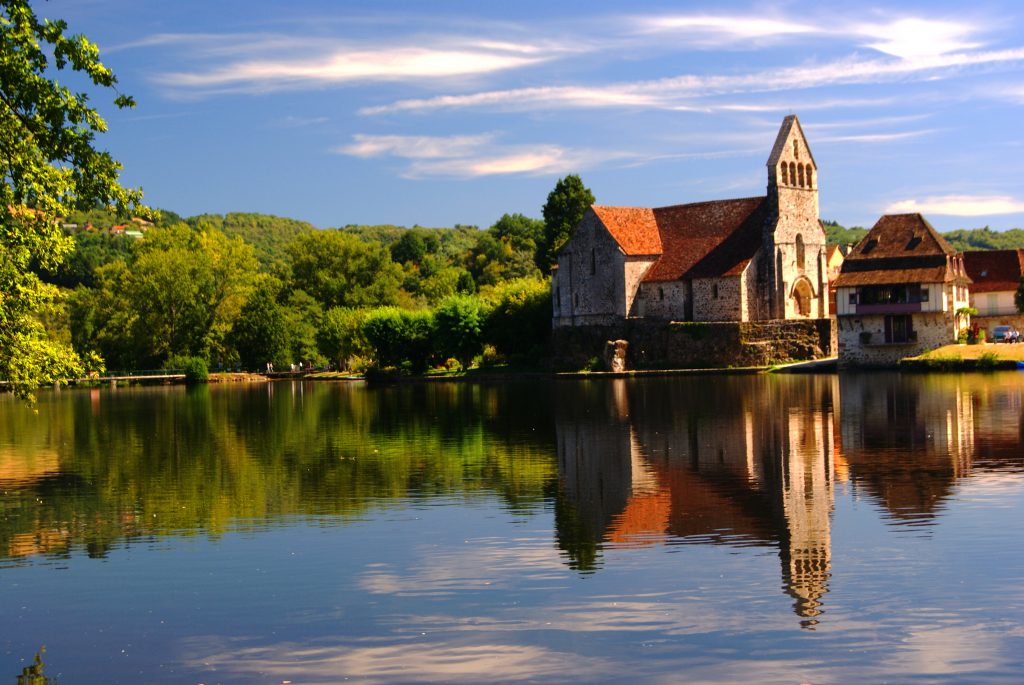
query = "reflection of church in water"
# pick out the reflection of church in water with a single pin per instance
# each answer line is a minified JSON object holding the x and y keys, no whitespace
{"x":751,"y":461}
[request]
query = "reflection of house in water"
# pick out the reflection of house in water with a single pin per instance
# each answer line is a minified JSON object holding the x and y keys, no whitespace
{"x":746,"y":461}
{"x":907,"y":439}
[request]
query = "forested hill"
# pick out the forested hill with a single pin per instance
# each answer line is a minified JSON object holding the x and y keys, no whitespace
{"x":268,"y":234}
{"x":963,"y":239}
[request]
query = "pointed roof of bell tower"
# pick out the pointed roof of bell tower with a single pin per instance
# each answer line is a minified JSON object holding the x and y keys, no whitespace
{"x":790,"y":127}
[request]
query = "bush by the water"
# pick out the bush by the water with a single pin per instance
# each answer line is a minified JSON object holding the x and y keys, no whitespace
{"x":194,"y":368}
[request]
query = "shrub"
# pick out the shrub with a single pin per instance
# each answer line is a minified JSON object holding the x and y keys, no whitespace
{"x":194,"y":368}
{"x":988,"y":360}
{"x":519,"y":320}
{"x":400,"y":337}
{"x":458,"y":325}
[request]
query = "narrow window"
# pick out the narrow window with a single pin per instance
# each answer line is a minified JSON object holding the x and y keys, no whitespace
{"x":661,"y":294}
{"x":800,"y":251}
{"x":796,"y":149}
{"x":593,"y":261}
{"x":785,"y":176}
{"x":714,"y":291}
{"x":576,"y":300}
{"x":853,"y":298}
{"x":800,"y":174}
{"x":924,"y":294}
{"x":792,"y":174}
{"x":810,"y":177}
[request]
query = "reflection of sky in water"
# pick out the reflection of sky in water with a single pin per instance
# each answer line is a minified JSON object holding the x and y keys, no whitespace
{"x":683,"y":546}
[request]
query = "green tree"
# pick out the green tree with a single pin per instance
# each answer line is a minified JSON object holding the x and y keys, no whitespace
{"x":400,"y":338}
{"x":48,"y":167}
{"x":458,"y":328}
{"x":564,"y":209}
{"x":341,"y":336}
{"x":519,"y":320}
{"x":339,"y":270}
{"x":261,"y":333}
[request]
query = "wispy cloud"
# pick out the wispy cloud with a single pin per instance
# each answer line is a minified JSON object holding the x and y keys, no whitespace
{"x":904,"y":37}
{"x":876,"y":137}
{"x":960,"y":205}
{"x":686,"y":91}
{"x":475,"y":155}
{"x":256,"y":63}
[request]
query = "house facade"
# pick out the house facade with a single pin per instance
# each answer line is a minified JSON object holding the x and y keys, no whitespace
{"x":898,"y":293}
{"x":995,"y":276}
{"x":748,"y":259}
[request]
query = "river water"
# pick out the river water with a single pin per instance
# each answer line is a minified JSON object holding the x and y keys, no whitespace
{"x":697,"y":529}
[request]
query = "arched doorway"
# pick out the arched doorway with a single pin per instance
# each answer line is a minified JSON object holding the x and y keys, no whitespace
{"x":802,"y":296}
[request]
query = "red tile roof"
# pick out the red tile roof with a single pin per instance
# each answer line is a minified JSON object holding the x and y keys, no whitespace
{"x":994,"y":270}
{"x":634,"y":228}
{"x":708,"y":239}
{"x":900,"y":248}
{"x":699,"y":240}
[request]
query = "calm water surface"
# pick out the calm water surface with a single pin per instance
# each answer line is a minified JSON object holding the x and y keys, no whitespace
{"x":818,"y":529}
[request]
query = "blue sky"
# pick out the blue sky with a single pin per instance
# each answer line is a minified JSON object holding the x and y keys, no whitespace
{"x":442,"y":113}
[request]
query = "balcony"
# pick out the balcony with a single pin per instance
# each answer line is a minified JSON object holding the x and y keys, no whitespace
{"x":888,"y":308}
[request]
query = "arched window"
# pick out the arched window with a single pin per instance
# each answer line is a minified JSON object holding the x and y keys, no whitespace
{"x":792,"y":174}
{"x":799,"y":251}
{"x":785,"y":175}
{"x":796,"y":149}
{"x":800,"y":174}
{"x":810,"y":177}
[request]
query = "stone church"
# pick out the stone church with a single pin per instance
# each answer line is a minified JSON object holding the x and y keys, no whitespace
{"x":751,"y":259}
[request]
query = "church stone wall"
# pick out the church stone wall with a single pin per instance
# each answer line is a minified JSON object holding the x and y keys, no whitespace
{"x":589,"y":286}
{"x":717,"y":299}
{"x":660,"y":344}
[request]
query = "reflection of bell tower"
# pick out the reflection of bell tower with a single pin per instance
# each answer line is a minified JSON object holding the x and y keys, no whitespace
{"x":807,"y":501}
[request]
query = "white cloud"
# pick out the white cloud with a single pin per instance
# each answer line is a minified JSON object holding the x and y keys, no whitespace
{"x":959,"y":205}
{"x":913,"y":38}
{"x":474,"y":156}
{"x":415,"y":147}
{"x":344,"y":66}
{"x":687,"y":90}
{"x":875,"y":137}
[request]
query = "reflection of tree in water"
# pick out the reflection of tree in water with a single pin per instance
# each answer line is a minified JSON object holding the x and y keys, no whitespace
{"x":735,"y":461}
{"x":141,"y":462}
{"x":33,"y":674}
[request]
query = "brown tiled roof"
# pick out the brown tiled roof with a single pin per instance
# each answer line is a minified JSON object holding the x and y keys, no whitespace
{"x":900,"y":248}
{"x":708,"y":239}
{"x":699,"y":240}
{"x":634,"y":228}
{"x":994,"y":270}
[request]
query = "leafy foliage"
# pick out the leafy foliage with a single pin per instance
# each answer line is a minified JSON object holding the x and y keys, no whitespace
{"x":339,"y":270}
{"x":458,"y":328}
{"x":839,"y":235}
{"x":564,"y":209}
{"x":48,"y":167}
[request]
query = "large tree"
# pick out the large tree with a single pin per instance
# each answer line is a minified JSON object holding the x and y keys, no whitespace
{"x":48,"y":167}
{"x":565,"y":207}
{"x":339,"y":270}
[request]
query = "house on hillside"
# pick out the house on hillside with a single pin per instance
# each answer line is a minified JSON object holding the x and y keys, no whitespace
{"x":995,"y":276}
{"x":749,"y":259}
{"x":898,"y":293}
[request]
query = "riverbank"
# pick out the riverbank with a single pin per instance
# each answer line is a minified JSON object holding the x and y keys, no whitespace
{"x":985,"y":356}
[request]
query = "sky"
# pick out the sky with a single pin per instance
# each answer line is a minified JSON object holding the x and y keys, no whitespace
{"x":444,"y":113}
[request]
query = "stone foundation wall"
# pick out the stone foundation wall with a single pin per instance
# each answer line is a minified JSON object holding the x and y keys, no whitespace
{"x":654,"y":345}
